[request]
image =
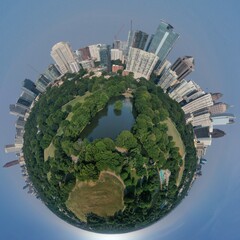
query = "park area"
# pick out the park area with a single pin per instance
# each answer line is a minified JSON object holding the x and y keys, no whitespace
{"x":172,"y":131}
{"x":103,"y":197}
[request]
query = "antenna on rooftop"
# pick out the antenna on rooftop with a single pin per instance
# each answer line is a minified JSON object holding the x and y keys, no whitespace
{"x":131,"y":25}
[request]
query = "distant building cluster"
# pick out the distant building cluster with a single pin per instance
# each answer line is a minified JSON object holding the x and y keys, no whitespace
{"x":143,"y":55}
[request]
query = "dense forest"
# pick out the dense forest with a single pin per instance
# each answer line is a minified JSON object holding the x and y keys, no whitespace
{"x":57,"y":120}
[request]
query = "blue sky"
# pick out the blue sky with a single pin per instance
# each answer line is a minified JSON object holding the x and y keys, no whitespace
{"x":209,"y":31}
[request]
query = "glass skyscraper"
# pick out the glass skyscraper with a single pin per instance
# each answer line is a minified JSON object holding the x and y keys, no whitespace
{"x":105,"y":57}
{"x":163,"y":41}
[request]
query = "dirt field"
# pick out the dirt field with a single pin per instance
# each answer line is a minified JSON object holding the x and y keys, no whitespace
{"x":103,"y":197}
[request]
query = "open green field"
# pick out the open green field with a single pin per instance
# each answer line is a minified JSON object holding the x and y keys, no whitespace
{"x":103,"y":197}
{"x":172,"y":131}
{"x":77,"y":99}
{"x":49,"y":152}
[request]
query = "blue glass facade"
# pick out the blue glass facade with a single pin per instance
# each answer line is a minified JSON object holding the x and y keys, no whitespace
{"x":163,"y":41}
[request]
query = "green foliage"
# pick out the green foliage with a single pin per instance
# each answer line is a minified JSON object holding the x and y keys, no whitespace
{"x":118,"y":105}
{"x":148,"y":146}
{"x":126,"y":140}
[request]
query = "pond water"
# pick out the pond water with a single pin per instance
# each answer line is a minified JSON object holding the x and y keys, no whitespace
{"x":109,"y":123}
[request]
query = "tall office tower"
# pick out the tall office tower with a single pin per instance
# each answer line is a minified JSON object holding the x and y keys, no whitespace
{"x":141,"y":63}
{"x":19,"y":133}
{"x":117,"y":54}
{"x":17,"y":110}
{"x":83,"y":54}
{"x":164,"y":67}
{"x":183,"y":66}
{"x":168,"y":79}
{"x":105,"y":56}
{"x":198,"y":103}
{"x":193,"y":95}
{"x":52,"y":72}
{"x":216,"y":96}
{"x":179,"y":91}
{"x":19,"y":141}
{"x":94,"y":51}
{"x":149,"y":42}
{"x":42,"y":83}
{"x":222,"y":119}
{"x":203,"y":135}
{"x":20,"y":123}
{"x":10,"y":164}
{"x":217,"y":133}
{"x":201,"y":151}
{"x":163,"y":41}
{"x":11,"y":148}
{"x":202,"y":120}
{"x":29,"y":88}
{"x":64,"y":57}
{"x":218,"y":108}
{"x":139,"y":40}
{"x":23,"y":103}
{"x":87,"y":64}
{"x":136,"y":39}
{"x":118,"y":44}
{"x":27,"y":97}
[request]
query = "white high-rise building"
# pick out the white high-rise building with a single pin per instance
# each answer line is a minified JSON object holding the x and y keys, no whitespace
{"x":117,"y":54}
{"x":94,"y":51}
{"x":222,"y":119}
{"x":202,"y":120}
{"x":183,"y":89}
{"x":141,"y":63}
{"x":199,"y":103}
{"x":168,"y":79}
{"x":64,"y":57}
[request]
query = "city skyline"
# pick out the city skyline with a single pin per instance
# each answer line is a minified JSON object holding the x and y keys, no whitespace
{"x":208,"y":169}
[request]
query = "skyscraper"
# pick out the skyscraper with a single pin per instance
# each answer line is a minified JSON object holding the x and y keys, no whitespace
{"x":216,"y":96}
{"x":12,"y":148}
{"x":94,"y":51}
{"x":217,"y":133}
{"x":64,"y":57}
{"x":139,"y":39}
{"x":17,"y":110}
{"x":117,"y":54}
{"x":203,"y":135}
{"x":218,"y":108}
{"x":141,"y":63}
{"x":183,"y":89}
{"x":168,"y":79}
{"x":222,"y":119}
{"x":163,"y":41}
{"x":23,"y":103}
{"x":199,"y":103}
{"x":52,"y":72}
{"x":83,"y":54}
{"x":42,"y":83}
{"x":29,"y":88}
{"x":10,"y":164}
{"x":105,"y":56}
{"x":183,"y":66}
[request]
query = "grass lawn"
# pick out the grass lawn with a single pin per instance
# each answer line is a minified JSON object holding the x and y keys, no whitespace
{"x":49,"y":175}
{"x":172,"y":131}
{"x":103,"y":197}
{"x":77,"y":99}
{"x":49,"y":151}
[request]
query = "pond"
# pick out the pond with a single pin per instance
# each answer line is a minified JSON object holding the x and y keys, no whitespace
{"x":109,"y":123}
